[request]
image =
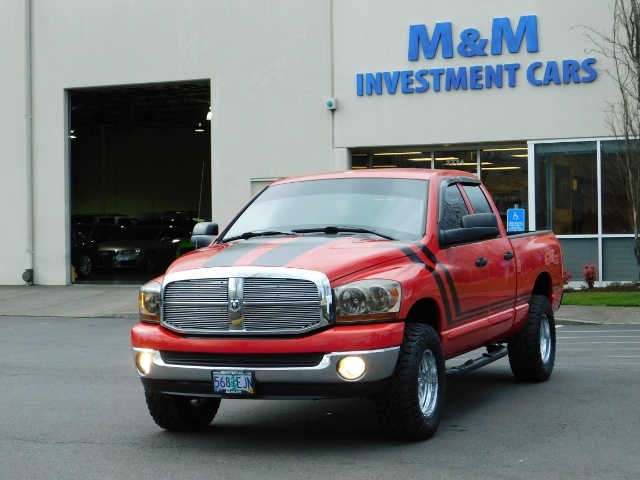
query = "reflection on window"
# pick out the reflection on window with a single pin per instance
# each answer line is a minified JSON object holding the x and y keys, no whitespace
{"x":454,"y":208}
{"x":478,"y":201}
{"x":616,"y":187}
{"x":567,"y":188}
{"x":505,"y":174}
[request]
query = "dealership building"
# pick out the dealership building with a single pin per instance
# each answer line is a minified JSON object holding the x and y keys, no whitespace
{"x":114,"y":107}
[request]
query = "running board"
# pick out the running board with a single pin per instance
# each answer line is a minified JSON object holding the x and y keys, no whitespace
{"x":494,"y":352}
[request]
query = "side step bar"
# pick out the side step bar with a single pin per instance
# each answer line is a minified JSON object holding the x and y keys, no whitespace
{"x":494,"y":352}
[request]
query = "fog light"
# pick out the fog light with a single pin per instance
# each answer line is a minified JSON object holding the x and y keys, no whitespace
{"x":144,"y":361}
{"x":351,"y":368}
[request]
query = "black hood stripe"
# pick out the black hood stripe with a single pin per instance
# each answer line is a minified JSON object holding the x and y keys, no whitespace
{"x":273,"y":257}
{"x":234,"y":252}
{"x":279,"y":257}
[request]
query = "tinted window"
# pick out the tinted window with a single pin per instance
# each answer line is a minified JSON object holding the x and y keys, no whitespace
{"x":478,"y":201}
{"x":454,"y":209}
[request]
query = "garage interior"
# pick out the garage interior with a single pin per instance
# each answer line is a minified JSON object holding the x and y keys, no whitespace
{"x":139,"y":152}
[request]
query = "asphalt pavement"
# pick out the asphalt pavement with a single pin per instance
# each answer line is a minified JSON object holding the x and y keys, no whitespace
{"x":121,"y":301}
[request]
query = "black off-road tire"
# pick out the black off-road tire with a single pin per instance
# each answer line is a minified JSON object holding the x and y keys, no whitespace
{"x":532,"y":351}
{"x":177,"y":412}
{"x":412,"y":405}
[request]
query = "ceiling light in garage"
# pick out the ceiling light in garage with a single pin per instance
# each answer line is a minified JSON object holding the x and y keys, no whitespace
{"x":199,"y":128}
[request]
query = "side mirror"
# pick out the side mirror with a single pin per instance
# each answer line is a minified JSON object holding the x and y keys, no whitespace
{"x":476,"y":227}
{"x":480,"y":220}
{"x":204,"y":233}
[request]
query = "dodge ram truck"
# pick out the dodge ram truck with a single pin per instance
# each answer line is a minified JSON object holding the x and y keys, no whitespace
{"x":353,"y":284}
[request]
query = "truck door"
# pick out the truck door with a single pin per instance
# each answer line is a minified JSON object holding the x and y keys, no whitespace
{"x":499,"y":269}
{"x":481,"y":287}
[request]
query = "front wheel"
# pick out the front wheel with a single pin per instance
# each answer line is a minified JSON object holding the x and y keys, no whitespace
{"x":532,"y":351}
{"x":176,"y":412}
{"x":85,"y":265}
{"x":412,"y":405}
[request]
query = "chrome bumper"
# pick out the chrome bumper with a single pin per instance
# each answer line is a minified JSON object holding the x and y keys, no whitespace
{"x":173,"y":378}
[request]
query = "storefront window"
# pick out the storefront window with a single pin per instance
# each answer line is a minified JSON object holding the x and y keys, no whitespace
{"x":616,"y":207}
{"x":465,"y":160}
{"x":567,"y":187}
{"x":414,"y":159}
{"x":359,"y":161}
{"x":504,"y":173}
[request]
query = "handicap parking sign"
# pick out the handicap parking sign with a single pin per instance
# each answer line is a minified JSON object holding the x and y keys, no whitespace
{"x":515,"y":220}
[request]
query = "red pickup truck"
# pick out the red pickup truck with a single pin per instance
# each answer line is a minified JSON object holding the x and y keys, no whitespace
{"x":352,"y":284}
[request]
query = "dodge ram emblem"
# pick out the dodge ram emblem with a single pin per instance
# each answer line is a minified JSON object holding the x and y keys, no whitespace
{"x":234,"y":304}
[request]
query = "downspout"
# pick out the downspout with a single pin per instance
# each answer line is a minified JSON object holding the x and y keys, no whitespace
{"x":27,"y":276}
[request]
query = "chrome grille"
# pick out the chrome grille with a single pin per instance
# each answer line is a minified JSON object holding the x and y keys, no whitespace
{"x":248,"y":305}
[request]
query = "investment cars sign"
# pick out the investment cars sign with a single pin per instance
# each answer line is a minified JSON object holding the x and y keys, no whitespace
{"x":470,"y":43}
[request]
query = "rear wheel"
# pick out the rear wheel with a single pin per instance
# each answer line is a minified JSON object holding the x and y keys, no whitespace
{"x":532,"y":351}
{"x":412,"y":405}
{"x":176,"y":412}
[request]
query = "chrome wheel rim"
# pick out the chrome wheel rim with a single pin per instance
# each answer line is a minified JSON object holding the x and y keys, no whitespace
{"x":428,"y":383}
{"x":545,"y":339}
{"x":85,"y":265}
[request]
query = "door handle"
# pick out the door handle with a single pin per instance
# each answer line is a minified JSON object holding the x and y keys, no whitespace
{"x":508,"y":255}
{"x":481,"y":262}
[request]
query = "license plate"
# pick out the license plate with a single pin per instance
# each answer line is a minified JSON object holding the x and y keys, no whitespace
{"x":234,"y":383}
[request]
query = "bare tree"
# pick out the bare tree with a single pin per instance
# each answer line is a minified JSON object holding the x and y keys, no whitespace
{"x":622,"y":45}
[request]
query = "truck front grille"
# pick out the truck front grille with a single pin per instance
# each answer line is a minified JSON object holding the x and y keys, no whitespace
{"x":254,"y":305}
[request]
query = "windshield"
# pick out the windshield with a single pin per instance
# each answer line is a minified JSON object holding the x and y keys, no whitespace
{"x":391,"y":206}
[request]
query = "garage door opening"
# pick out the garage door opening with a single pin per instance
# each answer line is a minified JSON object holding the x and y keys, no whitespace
{"x":139,"y":155}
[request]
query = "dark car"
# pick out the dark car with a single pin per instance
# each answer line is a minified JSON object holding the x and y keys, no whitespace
{"x":85,"y":238}
{"x":146,"y":248}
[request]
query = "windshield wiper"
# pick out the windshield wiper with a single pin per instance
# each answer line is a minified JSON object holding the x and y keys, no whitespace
{"x":333,"y":229}
{"x":262,"y":233}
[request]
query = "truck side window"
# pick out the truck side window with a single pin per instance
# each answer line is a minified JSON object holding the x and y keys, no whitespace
{"x":478,"y":201}
{"x":454,"y":208}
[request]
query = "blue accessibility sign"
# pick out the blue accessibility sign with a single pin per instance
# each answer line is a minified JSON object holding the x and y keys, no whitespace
{"x":515,"y":220}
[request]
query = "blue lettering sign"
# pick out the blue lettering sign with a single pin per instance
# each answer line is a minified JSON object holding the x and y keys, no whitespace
{"x":475,"y":77}
{"x":527,"y":25}
{"x":455,"y":80}
{"x":586,"y":66}
{"x":418,"y":35}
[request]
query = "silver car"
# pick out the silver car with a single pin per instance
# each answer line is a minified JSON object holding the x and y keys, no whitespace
{"x":144,"y":248}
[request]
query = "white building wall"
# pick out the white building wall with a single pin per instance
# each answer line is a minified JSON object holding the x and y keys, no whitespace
{"x":271,"y":64}
{"x":268,"y":63}
{"x":13,"y":142}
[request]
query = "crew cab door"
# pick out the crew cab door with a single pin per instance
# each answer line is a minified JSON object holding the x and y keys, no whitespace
{"x":478,"y":263}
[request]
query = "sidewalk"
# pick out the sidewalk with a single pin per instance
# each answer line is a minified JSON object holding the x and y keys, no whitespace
{"x":121,"y":301}
{"x":114,"y":301}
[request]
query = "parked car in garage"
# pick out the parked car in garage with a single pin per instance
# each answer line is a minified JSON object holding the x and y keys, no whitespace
{"x":85,"y":238}
{"x":145,"y":248}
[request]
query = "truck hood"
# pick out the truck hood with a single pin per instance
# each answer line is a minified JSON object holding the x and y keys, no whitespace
{"x":334,"y":256}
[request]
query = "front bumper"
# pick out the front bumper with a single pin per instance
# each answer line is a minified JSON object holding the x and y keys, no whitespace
{"x":314,"y":381}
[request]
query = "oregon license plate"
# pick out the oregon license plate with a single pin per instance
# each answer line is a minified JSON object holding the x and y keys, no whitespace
{"x":232,"y":382}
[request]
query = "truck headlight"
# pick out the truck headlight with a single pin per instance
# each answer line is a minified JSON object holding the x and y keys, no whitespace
{"x":150,"y":302}
{"x":368,"y":300}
